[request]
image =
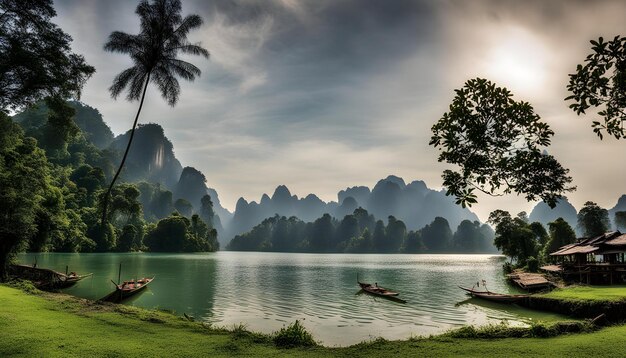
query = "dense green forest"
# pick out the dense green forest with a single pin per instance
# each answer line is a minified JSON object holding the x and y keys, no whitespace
{"x":57,"y":156}
{"x":360,"y":232}
{"x":77,"y":158}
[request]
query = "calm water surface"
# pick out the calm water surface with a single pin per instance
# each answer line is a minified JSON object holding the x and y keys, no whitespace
{"x":266,"y":291}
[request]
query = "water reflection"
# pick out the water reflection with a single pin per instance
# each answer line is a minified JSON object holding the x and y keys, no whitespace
{"x":268,"y":290}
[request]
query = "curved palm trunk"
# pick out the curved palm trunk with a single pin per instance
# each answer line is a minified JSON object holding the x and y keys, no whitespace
{"x":105,"y":203}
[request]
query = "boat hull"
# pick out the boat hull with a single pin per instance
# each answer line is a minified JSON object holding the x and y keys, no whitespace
{"x":121,"y":294}
{"x":72,"y":280}
{"x":494,"y":297}
{"x":380,"y":292}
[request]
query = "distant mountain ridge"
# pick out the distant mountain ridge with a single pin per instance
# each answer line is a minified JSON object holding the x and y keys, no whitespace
{"x":620,"y":206}
{"x":153,"y":159}
{"x":415,"y":204}
{"x":544,"y":214}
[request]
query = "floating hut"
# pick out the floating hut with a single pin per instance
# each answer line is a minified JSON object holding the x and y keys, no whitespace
{"x":530,"y":281}
{"x":596,"y":260}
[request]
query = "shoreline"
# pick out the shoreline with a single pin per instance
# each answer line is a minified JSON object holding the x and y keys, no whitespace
{"x":49,"y":319}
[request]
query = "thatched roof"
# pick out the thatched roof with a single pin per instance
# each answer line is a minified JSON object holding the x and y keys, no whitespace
{"x":593,"y":244}
{"x":618,"y":241}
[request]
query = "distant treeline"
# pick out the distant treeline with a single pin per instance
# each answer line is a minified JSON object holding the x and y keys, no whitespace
{"x":360,"y":232}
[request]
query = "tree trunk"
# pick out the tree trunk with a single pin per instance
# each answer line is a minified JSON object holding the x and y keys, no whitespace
{"x":4,"y":261}
{"x":107,"y":196}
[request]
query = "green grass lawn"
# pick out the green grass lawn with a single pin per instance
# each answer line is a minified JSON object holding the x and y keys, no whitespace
{"x":49,"y":325}
{"x":589,"y":293}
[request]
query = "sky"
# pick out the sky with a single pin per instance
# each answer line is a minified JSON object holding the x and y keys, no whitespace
{"x":321,"y":95}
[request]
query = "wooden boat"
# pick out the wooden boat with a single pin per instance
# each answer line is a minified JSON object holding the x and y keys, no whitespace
{"x":45,"y":278}
{"x":493,"y":296}
{"x":376,"y":290}
{"x":127,"y":289}
{"x":71,"y":279}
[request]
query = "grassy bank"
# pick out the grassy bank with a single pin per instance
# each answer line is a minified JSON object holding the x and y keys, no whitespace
{"x":607,"y":303}
{"x":60,"y":325}
{"x":589,"y":293}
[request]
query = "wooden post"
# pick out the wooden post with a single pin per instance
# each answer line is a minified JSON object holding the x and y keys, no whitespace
{"x":119,"y":274}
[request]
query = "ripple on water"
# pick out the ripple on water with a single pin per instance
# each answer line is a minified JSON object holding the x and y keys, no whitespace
{"x":266,"y":291}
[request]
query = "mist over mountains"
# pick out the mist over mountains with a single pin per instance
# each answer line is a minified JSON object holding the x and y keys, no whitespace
{"x":544,"y":214}
{"x":152,"y":159}
{"x":413,"y":203}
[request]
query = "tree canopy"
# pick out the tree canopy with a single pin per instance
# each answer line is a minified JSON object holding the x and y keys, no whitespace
{"x":561,"y":234}
{"x":180,"y":234}
{"x":24,"y":182}
{"x":359,"y":232}
{"x":497,"y":144}
{"x":600,"y":83}
{"x":36,"y":59}
{"x":514,"y":236}
{"x":593,"y":220}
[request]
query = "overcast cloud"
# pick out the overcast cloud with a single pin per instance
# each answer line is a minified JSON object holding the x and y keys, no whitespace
{"x":324,"y":94}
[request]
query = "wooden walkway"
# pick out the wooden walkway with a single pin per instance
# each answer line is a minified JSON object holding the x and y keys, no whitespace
{"x":529,"y":281}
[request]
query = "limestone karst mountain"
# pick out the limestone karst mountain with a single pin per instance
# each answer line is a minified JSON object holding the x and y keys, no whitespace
{"x":151,"y":158}
{"x":415,"y":204}
{"x":544,"y":214}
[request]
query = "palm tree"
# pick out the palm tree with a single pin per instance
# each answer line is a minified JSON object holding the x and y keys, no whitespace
{"x":154,"y":53}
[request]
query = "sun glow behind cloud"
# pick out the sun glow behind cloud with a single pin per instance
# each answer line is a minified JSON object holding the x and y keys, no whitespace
{"x":321,"y":95}
{"x":517,"y":59}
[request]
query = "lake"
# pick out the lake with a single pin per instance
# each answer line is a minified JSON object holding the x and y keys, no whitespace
{"x":266,"y":291}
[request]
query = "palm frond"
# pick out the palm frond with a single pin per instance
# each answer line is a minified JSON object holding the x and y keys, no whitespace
{"x":121,"y":81}
{"x":145,"y":12}
{"x":168,"y":84}
{"x":136,"y":85}
{"x":123,"y":43}
{"x":189,"y":23}
{"x":192,"y":49}
{"x":154,"y":51}
{"x":184,"y":69}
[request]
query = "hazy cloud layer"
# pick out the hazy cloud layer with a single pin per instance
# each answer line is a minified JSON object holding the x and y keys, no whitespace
{"x":321,"y":95}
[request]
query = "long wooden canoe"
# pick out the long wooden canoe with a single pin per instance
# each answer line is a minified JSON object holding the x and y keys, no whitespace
{"x":493,"y":296}
{"x":376,"y":290}
{"x":127,"y":289}
{"x":71,"y":279}
{"x":46,"y":278}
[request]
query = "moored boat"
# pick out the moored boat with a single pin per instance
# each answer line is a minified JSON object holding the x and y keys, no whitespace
{"x":47,"y":279}
{"x":127,"y":289}
{"x":376,"y":290}
{"x":493,"y":296}
{"x":72,"y":278}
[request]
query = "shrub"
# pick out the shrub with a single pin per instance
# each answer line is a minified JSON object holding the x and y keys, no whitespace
{"x":501,"y":330}
{"x":536,"y":330}
{"x":24,"y":285}
{"x":532,"y":264}
{"x":240,"y":330}
{"x":507,"y":267}
{"x":294,"y":335}
{"x":543,"y":331}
